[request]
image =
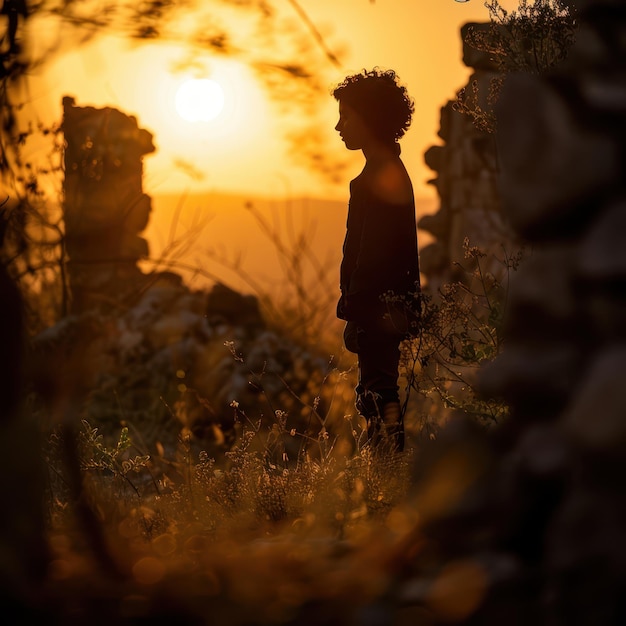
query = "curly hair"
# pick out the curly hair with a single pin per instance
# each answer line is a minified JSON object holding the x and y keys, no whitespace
{"x":378,"y":97}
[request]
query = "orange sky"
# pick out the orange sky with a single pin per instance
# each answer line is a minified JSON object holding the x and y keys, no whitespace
{"x":420,"y":40}
{"x":242,"y":150}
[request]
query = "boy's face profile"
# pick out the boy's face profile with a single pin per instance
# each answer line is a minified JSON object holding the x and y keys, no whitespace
{"x":352,"y":129}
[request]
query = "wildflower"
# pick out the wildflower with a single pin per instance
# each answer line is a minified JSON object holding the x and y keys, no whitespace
{"x":231,"y":346}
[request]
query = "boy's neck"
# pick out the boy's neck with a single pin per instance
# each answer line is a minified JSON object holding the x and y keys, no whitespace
{"x":378,"y":152}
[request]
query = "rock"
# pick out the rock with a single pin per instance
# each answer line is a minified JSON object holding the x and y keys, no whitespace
{"x":603,"y":254}
{"x":223,"y":304}
{"x":595,"y":417}
{"x":545,"y":282}
{"x":438,"y":224}
{"x":433,"y":258}
{"x":552,"y":166}
{"x":434,"y":157}
{"x":105,"y":208}
{"x":535,"y":378}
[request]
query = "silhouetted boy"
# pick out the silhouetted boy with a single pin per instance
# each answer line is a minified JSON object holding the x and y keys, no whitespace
{"x":380,"y":249}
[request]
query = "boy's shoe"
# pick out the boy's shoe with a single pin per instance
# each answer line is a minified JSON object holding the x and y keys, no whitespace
{"x":386,"y":437}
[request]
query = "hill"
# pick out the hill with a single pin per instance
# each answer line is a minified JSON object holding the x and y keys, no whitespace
{"x":236,"y":238}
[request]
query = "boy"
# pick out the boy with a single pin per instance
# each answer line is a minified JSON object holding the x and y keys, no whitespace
{"x":380,"y":255}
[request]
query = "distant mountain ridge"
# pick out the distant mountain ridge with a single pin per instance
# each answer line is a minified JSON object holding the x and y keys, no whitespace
{"x":217,"y":230}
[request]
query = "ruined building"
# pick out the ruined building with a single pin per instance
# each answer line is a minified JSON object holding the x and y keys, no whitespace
{"x":466,"y":168}
{"x":545,"y":523}
{"x":105,"y":208}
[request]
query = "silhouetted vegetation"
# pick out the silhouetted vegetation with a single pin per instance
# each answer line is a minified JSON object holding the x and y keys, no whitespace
{"x":534,"y":38}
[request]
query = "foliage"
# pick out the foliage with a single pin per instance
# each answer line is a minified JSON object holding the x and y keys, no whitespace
{"x":98,"y":457}
{"x":469,"y":101}
{"x":276,"y":469}
{"x":257,"y":484}
{"x":113,"y":466}
{"x":461,"y":329}
{"x":304,"y":306}
{"x":534,"y":39}
{"x":238,"y":523}
{"x":31,"y":226}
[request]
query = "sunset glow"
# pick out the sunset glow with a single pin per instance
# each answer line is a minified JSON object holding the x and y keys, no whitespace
{"x":199,"y":100}
{"x":243,"y":147}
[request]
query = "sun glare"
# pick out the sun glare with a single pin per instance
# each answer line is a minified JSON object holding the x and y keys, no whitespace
{"x":199,"y":100}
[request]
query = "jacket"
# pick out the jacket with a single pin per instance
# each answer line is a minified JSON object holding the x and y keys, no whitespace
{"x":380,"y":253}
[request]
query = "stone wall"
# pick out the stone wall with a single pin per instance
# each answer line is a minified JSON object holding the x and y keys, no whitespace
{"x":564,"y":367}
{"x":105,"y":208}
{"x":466,"y":167}
{"x":538,"y":535}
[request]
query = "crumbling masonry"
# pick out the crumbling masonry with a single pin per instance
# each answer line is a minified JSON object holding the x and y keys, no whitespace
{"x":105,"y":208}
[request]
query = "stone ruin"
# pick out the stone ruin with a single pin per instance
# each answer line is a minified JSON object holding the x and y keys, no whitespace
{"x":105,"y":208}
{"x":473,"y":249}
{"x":538,"y":534}
{"x":466,"y":180}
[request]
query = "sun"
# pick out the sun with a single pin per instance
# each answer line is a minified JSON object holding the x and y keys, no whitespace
{"x":199,"y":100}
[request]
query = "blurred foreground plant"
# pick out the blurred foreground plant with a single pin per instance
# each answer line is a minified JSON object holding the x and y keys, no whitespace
{"x":249,"y":491}
{"x":534,"y":39}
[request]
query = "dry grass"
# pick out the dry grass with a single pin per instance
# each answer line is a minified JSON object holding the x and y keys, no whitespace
{"x":246,"y":539}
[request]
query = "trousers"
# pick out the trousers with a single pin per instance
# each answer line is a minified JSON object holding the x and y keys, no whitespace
{"x":378,"y":352}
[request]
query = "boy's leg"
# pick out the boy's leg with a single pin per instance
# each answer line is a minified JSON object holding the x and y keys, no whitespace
{"x":378,"y":391}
